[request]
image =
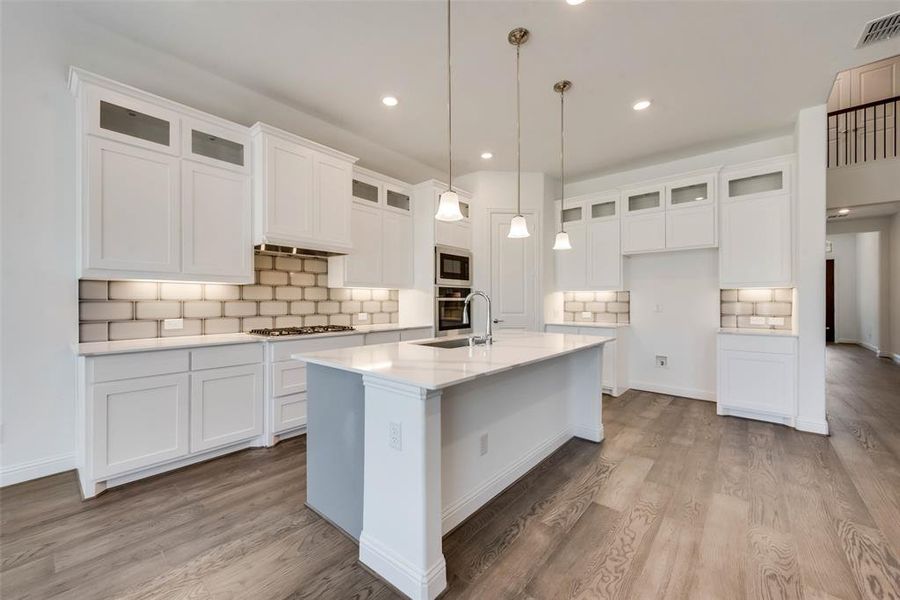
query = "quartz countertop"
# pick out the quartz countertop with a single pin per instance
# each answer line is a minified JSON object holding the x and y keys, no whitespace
{"x":588,"y":324}
{"x":754,"y":331}
{"x":436,"y":368}
{"x":199,"y":341}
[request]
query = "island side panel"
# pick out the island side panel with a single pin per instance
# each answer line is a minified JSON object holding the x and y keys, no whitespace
{"x":525,"y":414}
{"x":335,"y":446}
{"x":401,"y":537}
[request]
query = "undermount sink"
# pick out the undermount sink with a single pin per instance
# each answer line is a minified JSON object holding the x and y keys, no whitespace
{"x":454,"y":343}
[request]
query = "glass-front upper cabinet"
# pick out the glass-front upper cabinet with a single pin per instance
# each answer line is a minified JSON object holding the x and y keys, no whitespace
{"x":643,"y":200}
{"x":365,"y":189}
{"x":215,"y":145}
{"x":397,"y":198}
{"x":766,"y":179}
{"x":695,"y":191}
{"x":603,"y":209}
{"x":125,"y":119}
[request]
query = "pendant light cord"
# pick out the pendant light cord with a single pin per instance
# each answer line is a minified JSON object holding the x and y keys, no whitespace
{"x":518,"y":138}
{"x":449,"y":110}
{"x":562,"y":160}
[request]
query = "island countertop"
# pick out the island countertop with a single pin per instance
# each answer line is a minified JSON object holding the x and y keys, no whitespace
{"x":437,"y":368}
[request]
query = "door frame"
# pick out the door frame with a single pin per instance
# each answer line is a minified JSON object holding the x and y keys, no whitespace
{"x":537,"y":318}
{"x":830,"y":262}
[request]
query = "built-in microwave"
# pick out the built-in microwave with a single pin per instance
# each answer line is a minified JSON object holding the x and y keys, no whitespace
{"x":452,"y":266}
{"x":450,"y":309}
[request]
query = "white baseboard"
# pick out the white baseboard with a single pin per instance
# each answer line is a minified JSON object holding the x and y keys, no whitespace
{"x":820,"y":427}
{"x":458,"y":511}
{"x":36,"y":468}
{"x":846,"y":341}
{"x":674,"y":390}
{"x":400,"y":573}
{"x":896,"y":358}
{"x":869,"y":347}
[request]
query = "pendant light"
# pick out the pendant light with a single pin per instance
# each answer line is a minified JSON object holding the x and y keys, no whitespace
{"x":562,"y":238}
{"x":448,"y":203}
{"x":518,"y":227}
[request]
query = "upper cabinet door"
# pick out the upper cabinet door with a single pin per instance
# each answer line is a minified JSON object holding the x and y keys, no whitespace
{"x":571,"y":265}
{"x":755,"y":247}
{"x":333,"y":194}
{"x":215,"y":145}
{"x":763,"y":180}
{"x":604,"y":255}
{"x":643,"y":233}
{"x":132,"y":212}
{"x":363,"y":264}
{"x":696,"y":191}
{"x":397,"y":250}
{"x":398,"y":199}
{"x":289,"y":205}
{"x":643,"y":200}
{"x":131,"y":121}
{"x":216,"y":222}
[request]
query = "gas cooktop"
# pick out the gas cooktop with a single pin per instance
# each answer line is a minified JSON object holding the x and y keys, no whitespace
{"x":312,"y":329}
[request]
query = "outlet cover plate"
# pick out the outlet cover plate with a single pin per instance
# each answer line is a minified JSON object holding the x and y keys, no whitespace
{"x":173,"y":324}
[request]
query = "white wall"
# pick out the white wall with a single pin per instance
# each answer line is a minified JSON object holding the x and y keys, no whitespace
{"x":674,"y":312}
{"x":868,"y":266}
{"x":38,"y":296}
{"x":894,"y":287}
{"x":846,"y":306}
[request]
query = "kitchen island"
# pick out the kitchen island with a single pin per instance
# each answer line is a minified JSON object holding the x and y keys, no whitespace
{"x":407,"y":439}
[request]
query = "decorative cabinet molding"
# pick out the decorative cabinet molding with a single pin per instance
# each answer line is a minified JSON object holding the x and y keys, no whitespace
{"x":147,"y":210}
{"x":756,"y":225}
{"x":381,"y":217}
{"x":302,"y":192}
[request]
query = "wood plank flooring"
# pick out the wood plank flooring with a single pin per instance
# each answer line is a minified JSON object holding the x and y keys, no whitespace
{"x":676,"y":503}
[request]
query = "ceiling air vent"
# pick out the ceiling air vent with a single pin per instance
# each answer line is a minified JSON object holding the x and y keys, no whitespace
{"x":880,"y":29}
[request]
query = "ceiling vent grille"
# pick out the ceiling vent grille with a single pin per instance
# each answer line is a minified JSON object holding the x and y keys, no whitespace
{"x":880,"y":29}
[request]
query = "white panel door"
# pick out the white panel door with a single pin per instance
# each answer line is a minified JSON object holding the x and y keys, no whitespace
{"x":290,"y":201}
{"x":514,"y":269}
{"x":604,"y":255}
{"x":226,"y":406}
{"x":755,"y":242}
{"x":572,"y":265}
{"x":396,"y":250}
{"x":334,"y":193}
{"x":216,"y":221}
{"x":363,"y":264}
{"x":139,"y":422}
{"x":643,"y":232}
{"x":691,"y":227}
{"x":133,"y":209}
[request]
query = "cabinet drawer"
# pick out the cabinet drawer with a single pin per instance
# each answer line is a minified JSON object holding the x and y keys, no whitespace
{"x":226,"y":356}
{"x":139,"y":364}
{"x":758,"y":343}
{"x":382,"y":337}
{"x":598,"y":331}
{"x":290,"y":412}
{"x":282,"y":350}
{"x":288,"y":377}
{"x":415,"y":334}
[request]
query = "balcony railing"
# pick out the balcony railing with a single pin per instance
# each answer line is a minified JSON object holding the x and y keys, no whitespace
{"x":863,"y":133}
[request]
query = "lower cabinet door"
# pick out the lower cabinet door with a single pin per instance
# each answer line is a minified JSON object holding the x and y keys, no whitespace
{"x":759,"y":382}
{"x":139,"y":423}
{"x":226,"y":406}
{"x":290,"y":412}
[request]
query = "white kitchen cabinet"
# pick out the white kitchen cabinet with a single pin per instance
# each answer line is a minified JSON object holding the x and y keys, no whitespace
{"x":572,"y":265}
{"x":152,"y":171}
{"x":226,"y":406}
{"x":691,"y":213}
{"x":595,"y":260}
{"x":132,"y":215}
{"x":383,"y":244}
{"x":419,"y":333}
{"x":216,"y":218}
{"x":756,"y":227}
{"x":139,"y":422}
{"x":456,"y":234}
{"x":757,"y":377}
{"x":302,"y":193}
{"x":615,"y":353}
{"x":643,"y":232}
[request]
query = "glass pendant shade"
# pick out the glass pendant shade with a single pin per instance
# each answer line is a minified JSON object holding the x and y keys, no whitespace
{"x":518,"y":228}
{"x":448,"y":207}
{"x":562,"y":241}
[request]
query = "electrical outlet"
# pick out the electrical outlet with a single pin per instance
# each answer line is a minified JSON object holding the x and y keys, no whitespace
{"x":395,"y":436}
{"x":484,"y":444}
{"x":362,"y":317}
{"x":757,"y":320}
{"x":586,"y":314}
{"x":776,"y":320}
{"x":658,"y":308}
{"x":173,"y":324}
{"x":662,"y":361}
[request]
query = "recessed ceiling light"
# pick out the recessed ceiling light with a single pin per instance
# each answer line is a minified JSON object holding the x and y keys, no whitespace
{"x":389,"y":101}
{"x":574,"y":2}
{"x":844,"y":211}
{"x":487,"y":155}
{"x":641,"y":104}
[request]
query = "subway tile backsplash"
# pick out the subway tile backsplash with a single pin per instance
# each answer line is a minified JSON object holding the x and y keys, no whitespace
{"x":289,"y":292}
{"x":738,"y":306}
{"x":597,"y":307}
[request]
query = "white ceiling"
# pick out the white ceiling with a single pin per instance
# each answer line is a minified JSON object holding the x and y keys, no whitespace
{"x":717,"y":72}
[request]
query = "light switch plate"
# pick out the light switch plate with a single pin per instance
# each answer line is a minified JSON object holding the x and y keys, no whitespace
{"x":362,"y":316}
{"x":776,"y":320}
{"x":173,"y":324}
{"x":757,"y":320}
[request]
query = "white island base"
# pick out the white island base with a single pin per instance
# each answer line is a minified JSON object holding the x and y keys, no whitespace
{"x":406,"y":441}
